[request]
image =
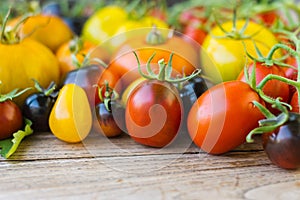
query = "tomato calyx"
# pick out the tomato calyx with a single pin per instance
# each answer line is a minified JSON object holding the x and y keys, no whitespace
{"x":154,"y":37}
{"x":165,"y":70}
{"x":10,"y":36}
{"x":49,"y":91}
{"x":108,"y":95}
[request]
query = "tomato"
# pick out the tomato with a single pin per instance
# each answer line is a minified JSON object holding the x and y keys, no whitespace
{"x":194,"y":31}
{"x":85,"y":77}
{"x":113,"y":20}
{"x":222,"y":117}
{"x":103,"y":24}
{"x":71,"y":118}
{"x":11,"y":119}
{"x":153,"y":113}
{"x":50,"y":30}
{"x":23,"y":61}
{"x":224,"y":57}
{"x":123,"y":62}
{"x":37,"y":107}
{"x":81,"y":49}
{"x":282,"y":145}
{"x":273,"y":88}
{"x":294,"y":103}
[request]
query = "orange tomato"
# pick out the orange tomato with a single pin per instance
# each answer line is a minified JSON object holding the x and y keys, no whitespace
{"x":124,"y":63}
{"x":64,"y":55}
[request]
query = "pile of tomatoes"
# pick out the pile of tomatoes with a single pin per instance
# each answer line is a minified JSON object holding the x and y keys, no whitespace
{"x":223,"y":74}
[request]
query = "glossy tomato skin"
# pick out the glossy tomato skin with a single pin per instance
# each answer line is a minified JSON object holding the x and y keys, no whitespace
{"x":224,"y":58}
{"x":85,"y":77}
{"x":153,"y":113}
{"x":191,"y":91}
{"x":223,"y":116}
{"x":37,"y":108}
{"x":294,"y":103}
{"x":124,"y":63}
{"x":194,"y":31}
{"x":10,"y":119}
{"x":110,"y":122}
{"x":273,"y":88}
{"x":283,"y":145}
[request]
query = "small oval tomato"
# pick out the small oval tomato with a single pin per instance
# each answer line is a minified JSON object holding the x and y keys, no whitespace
{"x":153,"y":113}
{"x":223,"y":116}
{"x":224,"y":57}
{"x":71,"y":118}
{"x":273,"y":88}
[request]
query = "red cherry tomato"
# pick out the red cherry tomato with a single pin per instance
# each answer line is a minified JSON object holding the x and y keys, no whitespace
{"x":153,"y":113}
{"x":10,"y":119}
{"x":223,"y":116}
{"x":273,"y":88}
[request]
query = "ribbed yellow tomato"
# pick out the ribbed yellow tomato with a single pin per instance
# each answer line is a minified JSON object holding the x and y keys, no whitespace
{"x":71,"y":118}
{"x":223,"y":57}
{"x":23,"y":61}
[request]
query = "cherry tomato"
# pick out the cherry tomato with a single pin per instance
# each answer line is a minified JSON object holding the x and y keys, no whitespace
{"x":110,"y":120}
{"x":153,"y":113}
{"x":194,"y":31}
{"x":37,"y":107}
{"x":71,"y":118}
{"x":294,"y":103}
{"x":85,"y":77}
{"x":283,"y":145}
{"x":222,"y":117}
{"x":11,"y":119}
{"x":273,"y":88}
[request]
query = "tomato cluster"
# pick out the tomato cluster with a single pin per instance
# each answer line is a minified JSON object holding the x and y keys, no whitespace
{"x":127,"y":72}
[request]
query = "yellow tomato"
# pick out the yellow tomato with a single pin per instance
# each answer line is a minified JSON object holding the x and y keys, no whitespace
{"x":103,"y":24}
{"x":71,"y":118}
{"x":23,"y":61}
{"x":47,"y":29}
{"x":223,"y":57}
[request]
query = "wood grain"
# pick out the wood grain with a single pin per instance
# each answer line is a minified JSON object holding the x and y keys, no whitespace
{"x":119,"y":168}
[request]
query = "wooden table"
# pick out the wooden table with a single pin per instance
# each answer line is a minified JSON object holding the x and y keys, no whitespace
{"x":119,"y":168}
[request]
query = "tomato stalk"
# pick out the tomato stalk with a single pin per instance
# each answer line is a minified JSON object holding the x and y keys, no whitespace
{"x":165,"y":71}
{"x":273,"y":122}
{"x":108,"y":95}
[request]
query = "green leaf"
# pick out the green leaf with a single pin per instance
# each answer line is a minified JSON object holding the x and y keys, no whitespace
{"x":9,"y":146}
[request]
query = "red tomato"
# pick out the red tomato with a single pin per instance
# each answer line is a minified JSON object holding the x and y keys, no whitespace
{"x":294,"y":103}
{"x":223,"y":116}
{"x":10,"y":119}
{"x":273,"y":88}
{"x":153,"y":113}
{"x":194,"y":31}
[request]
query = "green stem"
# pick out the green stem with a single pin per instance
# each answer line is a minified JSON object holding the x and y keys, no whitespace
{"x":280,"y":46}
{"x":279,"y":78}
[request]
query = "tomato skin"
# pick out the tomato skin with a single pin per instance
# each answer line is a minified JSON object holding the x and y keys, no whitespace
{"x":224,"y":58}
{"x":223,"y":116}
{"x":49,"y":30}
{"x":273,"y":88}
{"x":10,"y":119}
{"x":153,"y":113}
{"x":282,"y":145}
{"x":124,"y":63}
{"x":25,"y":61}
{"x":294,"y":103}
{"x":71,"y":118}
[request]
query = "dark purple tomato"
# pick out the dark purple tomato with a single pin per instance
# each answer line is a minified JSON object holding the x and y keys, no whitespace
{"x":283,"y":145}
